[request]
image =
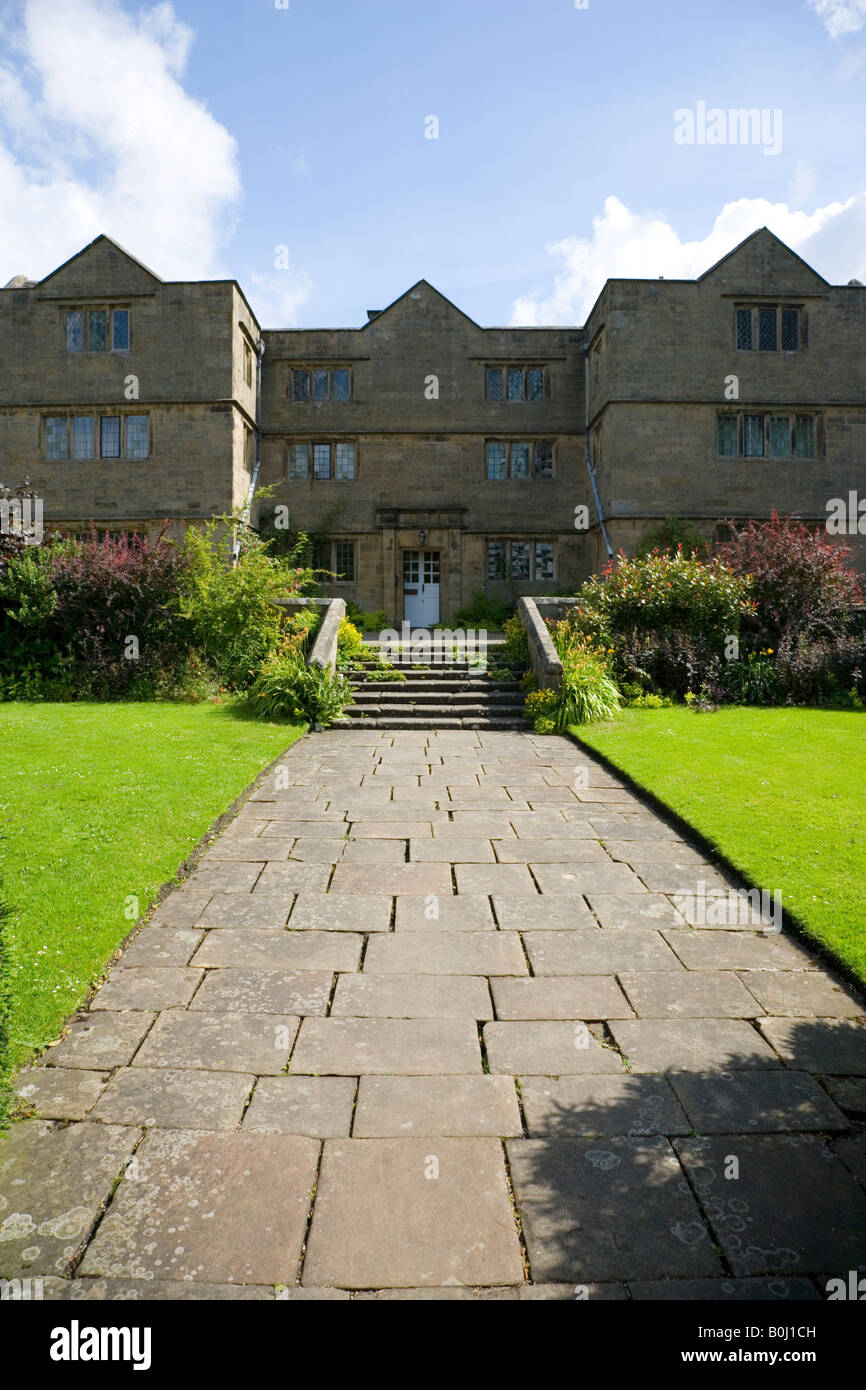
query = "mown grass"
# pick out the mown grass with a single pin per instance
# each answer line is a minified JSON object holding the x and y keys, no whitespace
{"x":99,"y":804}
{"x":780,"y":792}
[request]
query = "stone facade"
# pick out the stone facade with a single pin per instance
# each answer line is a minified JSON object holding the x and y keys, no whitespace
{"x":731,"y":396}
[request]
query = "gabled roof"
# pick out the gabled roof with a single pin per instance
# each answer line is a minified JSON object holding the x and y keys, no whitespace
{"x":105,"y":242}
{"x":416,"y":290}
{"x":763,"y":241}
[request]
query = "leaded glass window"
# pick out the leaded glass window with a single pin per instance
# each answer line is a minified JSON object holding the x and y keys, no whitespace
{"x":120,"y":330}
{"x":767,"y":329}
{"x":744,"y":329}
{"x":543,"y":467}
{"x":344,"y":561}
{"x":321,"y":386}
{"x":727,"y":428}
{"x":137,"y":437}
{"x":341,"y":384}
{"x":56,"y":437}
{"x":516,"y":388}
{"x":520,"y":559}
{"x":321,"y":460}
{"x":790,"y":330}
{"x":345,"y":467}
{"x":804,"y":436}
{"x":83,"y":437}
{"x":535,"y":384}
{"x":753,"y":436}
{"x":300,"y":385}
{"x":780,"y":436}
{"x":299,"y":460}
{"x":495,"y":384}
{"x":520,"y":460}
{"x":497,"y":459}
{"x":496,"y":560}
{"x":74,"y":330}
{"x":109,"y":437}
{"x":97,"y":330}
{"x":544,"y":561}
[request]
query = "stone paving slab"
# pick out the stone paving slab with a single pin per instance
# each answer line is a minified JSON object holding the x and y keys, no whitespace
{"x":141,"y":988}
{"x":413,"y":879}
{"x":174,"y":1099}
{"x":756,"y":1102}
{"x":446,"y":953}
{"x":819,"y":1045}
{"x":262,"y":911}
{"x":411,"y":1047}
{"x":598,"y":953}
{"x":570,"y":877}
{"x":238,"y":990}
{"x":267,"y":950}
{"x":635,"y":910}
{"x":217,"y":877}
{"x":801,"y":994}
{"x":547,"y":1049}
{"x":691,"y":1044}
{"x":849,"y":1092}
{"x":317,"y":1106}
{"x":704,"y":994}
{"x":229,"y":1207}
{"x":152,"y":1291}
{"x":805,"y":1211}
{"x":353,"y":912}
{"x":160,"y":948}
{"x":575,"y":850}
{"x":411,"y":996}
{"x":568,"y":913}
{"x":294,"y":878}
{"x":738,"y":950}
{"x":549,"y":997}
{"x":502,"y":879}
{"x":583,"y":1220}
{"x":386,"y":830}
{"x":100,"y":1040}
{"x":452,"y":849}
{"x":180,"y":910}
{"x":254,"y":848}
{"x":586,"y":1106}
{"x":387,"y":1215}
{"x":180,"y":1038}
{"x":779,"y":1290}
{"x":59,"y":1093}
{"x":465,"y":913}
{"x":456,"y":1106}
{"x":852,"y":1152}
{"x":54,"y":1183}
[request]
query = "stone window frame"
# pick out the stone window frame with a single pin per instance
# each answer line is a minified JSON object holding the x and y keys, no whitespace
{"x":755,"y":308}
{"x":533,"y":445}
{"x":509,"y":576}
{"x":97,"y":417}
{"x":248,"y":361}
{"x":309,"y":369}
{"x":86,"y":310}
{"x":311,"y":444}
{"x":525,"y":367}
{"x":769,"y":415}
{"x":341,"y":577}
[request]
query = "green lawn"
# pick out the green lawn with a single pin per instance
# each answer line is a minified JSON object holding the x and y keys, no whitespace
{"x":780,"y":792}
{"x":100,"y":803}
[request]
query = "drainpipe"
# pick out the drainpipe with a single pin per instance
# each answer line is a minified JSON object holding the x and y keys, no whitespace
{"x":589,"y":464}
{"x":254,"y":481}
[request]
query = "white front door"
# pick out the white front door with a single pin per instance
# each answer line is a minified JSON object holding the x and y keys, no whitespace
{"x":421,"y":587}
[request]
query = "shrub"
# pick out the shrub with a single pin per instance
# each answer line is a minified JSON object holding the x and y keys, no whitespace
{"x":801,"y":580}
{"x":374,"y":620}
{"x":483,"y":612}
{"x":541,"y":703}
{"x":350,"y":644}
{"x":672,"y":535}
{"x":589,"y":692}
{"x":516,"y":643}
{"x":667,"y":663}
{"x":662,"y":593}
{"x":754,"y":680}
{"x":829,"y":671}
{"x":286,"y":688}
{"x":545,"y":725}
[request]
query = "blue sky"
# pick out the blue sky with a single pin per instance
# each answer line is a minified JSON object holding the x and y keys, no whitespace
{"x":556,"y":130}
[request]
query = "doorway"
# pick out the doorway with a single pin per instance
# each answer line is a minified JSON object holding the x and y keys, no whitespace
{"x":421,"y":587}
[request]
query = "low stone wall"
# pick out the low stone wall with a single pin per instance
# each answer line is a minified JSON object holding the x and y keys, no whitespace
{"x":543,"y":657}
{"x":324,"y":649}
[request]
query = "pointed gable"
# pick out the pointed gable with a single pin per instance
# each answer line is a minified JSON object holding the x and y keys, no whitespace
{"x":763,"y":264}
{"x":420,"y":306}
{"x":104,"y":270}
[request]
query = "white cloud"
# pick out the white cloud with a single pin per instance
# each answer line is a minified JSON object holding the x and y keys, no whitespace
{"x":277,"y":297}
{"x":840,"y":16}
{"x":97,"y":134}
{"x":644,"y":246}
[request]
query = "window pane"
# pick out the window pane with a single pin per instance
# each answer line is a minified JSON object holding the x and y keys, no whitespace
{"x":300,"y":386}
{"x":345,"y":460}
{"x":136,"y":437}
{"x":544,"y":567}
{"x":120,"y":330}
{"x":321,"y":386}
{"x":97,"y":330}
{"x":83,"y":437}
{"x":497,"y":459}
{"x":780,"y":436}
{"x":767,"y":330}
{"x":753,"y":436}
{"x":520,"y":460}
{"x":804,"y":437}
{"x":344,"y":561}
{"x":341,"y":385}
{"x":520,"y":559}
{"x":515,"y":384}
{"x":790,"y":330}
{"x":299,"y":460}
{"x":494,"y":383}
{"x":535,"y":384}
{"x":321,"y":460}
{"x":56,"y":437}
{"x":109,"y":437}
{"x":543,"y":461}
{"x":496,"y":568}
{"x":74,"y":330}
{"x":744,"y":328}
{"x":728,"y":442}
{"x":411,"y":567}
{"x":322,"y":555}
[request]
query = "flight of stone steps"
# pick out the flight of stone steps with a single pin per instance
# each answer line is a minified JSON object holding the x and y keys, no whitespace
{"x":453,"y":694}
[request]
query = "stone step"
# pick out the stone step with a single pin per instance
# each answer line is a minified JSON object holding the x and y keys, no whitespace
{"x":419,"y":714}
{"x":437,"y":722}
{"x":387,"y":696}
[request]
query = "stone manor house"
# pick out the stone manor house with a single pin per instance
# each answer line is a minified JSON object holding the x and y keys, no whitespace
{"x":429,"y":457}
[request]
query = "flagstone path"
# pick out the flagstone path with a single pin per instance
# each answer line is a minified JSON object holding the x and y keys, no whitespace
{"x":426,"y":1022}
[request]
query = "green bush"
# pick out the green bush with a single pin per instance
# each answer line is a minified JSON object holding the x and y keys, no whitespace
{"x":370,"y":620}
{"x":671,"y":535}
{"x":545,"y":725}
{"x":541,"y":703}
{"x":286,"y":688}
{"x":754,"y":680}
{"x":350,"y":644}
{"x":589,"y":692}
{"x":516,"y":643}
{"x":663,"y":594}
{"x":483,"y":612}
